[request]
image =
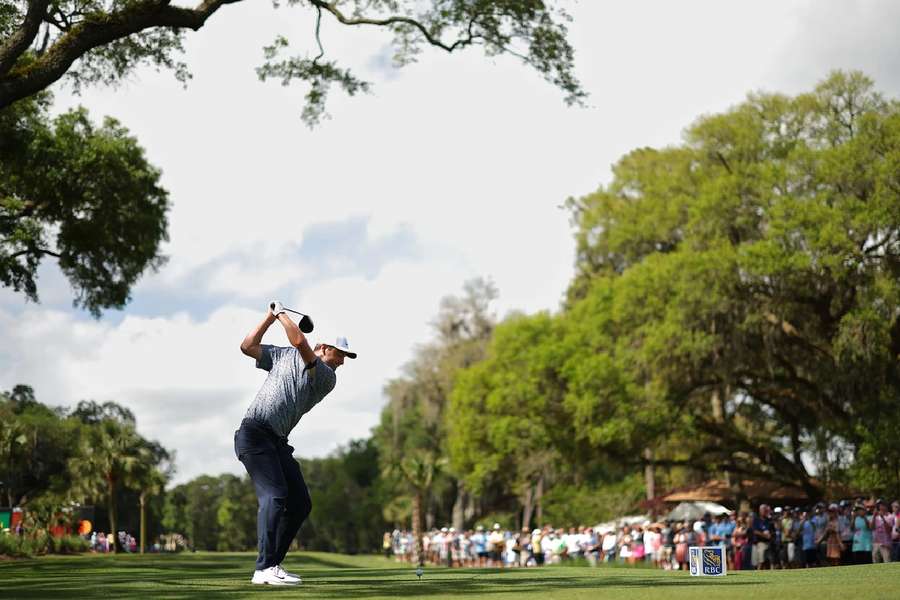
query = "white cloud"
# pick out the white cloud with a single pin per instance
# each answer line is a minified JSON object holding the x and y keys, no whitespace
{"x":454,"y":167}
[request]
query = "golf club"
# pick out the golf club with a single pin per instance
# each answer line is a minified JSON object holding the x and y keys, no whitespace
{"x":306,"y":324}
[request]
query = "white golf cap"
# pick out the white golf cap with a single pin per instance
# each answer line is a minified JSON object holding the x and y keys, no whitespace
{"x":343,"y":345}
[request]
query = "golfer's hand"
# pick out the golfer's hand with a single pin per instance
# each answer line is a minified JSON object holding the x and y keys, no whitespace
{"x":276,"y":307}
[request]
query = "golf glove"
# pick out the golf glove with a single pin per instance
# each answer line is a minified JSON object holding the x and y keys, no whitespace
{"x":276,"y":307}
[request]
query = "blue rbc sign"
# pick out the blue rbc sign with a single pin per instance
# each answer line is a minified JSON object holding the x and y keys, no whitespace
{"x":707,"y":561}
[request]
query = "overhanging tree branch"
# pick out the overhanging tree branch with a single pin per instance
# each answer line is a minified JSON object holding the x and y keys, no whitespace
{"x":97,"y":30}
{"x":19,"y":41}
{"x":35,"y":251}
{"x":398,"y":20}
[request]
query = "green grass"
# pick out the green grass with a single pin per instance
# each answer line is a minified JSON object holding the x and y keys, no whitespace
{"x":226,"y":575}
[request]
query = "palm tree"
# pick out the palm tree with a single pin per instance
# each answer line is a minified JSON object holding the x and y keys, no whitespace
{"x":417,"y":472}
{"x":152,"y":481}
{"x":110,"y":455}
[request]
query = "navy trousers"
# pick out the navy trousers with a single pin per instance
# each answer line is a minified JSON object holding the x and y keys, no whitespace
{"x":283,"y":497}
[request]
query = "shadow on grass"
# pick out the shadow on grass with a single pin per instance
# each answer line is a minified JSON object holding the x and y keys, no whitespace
{"x":226,"y":576}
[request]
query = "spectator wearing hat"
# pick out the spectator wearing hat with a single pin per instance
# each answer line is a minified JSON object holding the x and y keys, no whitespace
{"x":819,"y":521}
{"x":831,"y":537}
{"x":608,"y":546}
{"x":439,"y":543}
{"x":495,"y":546}
{"x":862,"y":536}
{"x":789,"y":530}
{"x":882,"y":524}
{"x":845,"y":516}
{"x":537,"y":548}
{"x":775,"y":551}
{"x":808,"y":540}
{"x":479,"y":543}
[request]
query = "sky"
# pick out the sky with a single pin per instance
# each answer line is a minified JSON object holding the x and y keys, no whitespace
{"x":453,"y":168}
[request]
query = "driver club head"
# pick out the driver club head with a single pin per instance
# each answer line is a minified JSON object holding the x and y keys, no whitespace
{"x":306,"y":324}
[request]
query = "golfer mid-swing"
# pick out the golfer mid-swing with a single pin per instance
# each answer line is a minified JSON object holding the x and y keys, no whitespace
{"x":299,"y":377}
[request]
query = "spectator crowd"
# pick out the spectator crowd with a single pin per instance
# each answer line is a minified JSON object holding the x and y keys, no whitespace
{"x":834,"y":534}
{"x":102,"y":542}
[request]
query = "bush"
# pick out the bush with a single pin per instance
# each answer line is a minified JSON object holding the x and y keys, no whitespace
{"x":69,"y":544}
{"x":25,"y":546}
{"x":8,"y":544}
{"x":40,"y":543}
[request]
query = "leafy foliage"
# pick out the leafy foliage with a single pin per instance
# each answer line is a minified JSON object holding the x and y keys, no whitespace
{"x":413,"y":430}
{"x":51,"y":459}
{"x":83,"y":194}
{"x":348,"y":494}
{"x":746,"y":286}
{"x":219,"y":512}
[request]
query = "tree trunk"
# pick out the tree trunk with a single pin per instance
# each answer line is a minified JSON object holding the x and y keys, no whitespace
{"x":470,"y":509}
{"x":111,"y":508}
{"x":417,"y":528}
{"x":429,"y":515}
{"x":718,"y":409}
{"x":457,"y":520}
{"x":528,"y":506}
{"x":650,"y":481}
{"x":538,"y":499}
{"x":143,"y":521}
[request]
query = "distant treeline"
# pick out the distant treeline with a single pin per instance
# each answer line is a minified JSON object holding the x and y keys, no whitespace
{"x":56,"y":460}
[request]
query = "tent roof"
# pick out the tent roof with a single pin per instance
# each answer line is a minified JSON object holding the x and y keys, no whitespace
{"x":716,"y":490}
{"x":695,"y":510}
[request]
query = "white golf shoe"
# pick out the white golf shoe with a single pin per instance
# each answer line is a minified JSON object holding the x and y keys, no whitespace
{"x":273,"y":576}
{"x":288,"y":574}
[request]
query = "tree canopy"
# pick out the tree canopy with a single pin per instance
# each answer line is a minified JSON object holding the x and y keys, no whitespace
{"x":80,"y":193}
{"x":745,"y":287}
{"x":736,"y":310}
{"x":53,"y":457}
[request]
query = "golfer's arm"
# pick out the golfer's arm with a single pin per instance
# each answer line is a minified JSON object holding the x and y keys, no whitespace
{"x":251,"y":344}
{"x":297,"y":339}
